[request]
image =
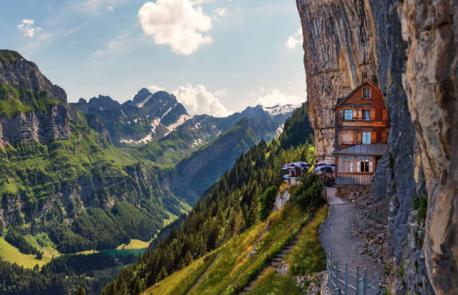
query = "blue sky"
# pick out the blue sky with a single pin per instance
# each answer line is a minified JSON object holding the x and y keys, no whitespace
{"x":217,"y":56}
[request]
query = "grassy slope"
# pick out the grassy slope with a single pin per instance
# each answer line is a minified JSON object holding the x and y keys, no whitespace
{"x":134,"y":244}
{"x":306,"y":257}
{"x":11,"y":254}
{"x":35,"y":171}
{"x":235,"y":263}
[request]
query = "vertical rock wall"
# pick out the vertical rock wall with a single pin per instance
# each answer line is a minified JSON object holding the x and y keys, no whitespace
{"x":348,"y":41}
{"x":339,"y":54}
{"x":431,"y":31}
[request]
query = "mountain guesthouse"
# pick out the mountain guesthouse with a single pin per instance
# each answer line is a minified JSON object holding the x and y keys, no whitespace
{"x":362,"y":126}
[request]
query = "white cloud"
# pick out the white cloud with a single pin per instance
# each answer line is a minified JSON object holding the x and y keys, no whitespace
{"x":93,"y":6}
{"x":276,"y":97}
{"x":28,"y":28}
{"x":117,"y":46}
{"x":155,"y":88}
{"x":181,"y":24}
{"x":219,"y":13}
{"x":198,"y":100}
{"x":294,"y":40}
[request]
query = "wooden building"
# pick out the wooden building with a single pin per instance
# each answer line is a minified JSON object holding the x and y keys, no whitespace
{"x":362,"y":127}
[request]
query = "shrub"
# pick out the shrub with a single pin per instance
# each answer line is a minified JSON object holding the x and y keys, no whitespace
{"x":308,"y":193}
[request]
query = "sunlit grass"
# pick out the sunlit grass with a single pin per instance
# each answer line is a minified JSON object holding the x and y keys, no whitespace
{"x":12,"y":254}
{"x":306,"y":257}
{"x":239,"y":260}
{"x":134,"y":244}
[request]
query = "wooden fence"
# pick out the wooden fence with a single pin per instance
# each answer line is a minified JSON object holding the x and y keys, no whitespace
{"x":342,"y":280}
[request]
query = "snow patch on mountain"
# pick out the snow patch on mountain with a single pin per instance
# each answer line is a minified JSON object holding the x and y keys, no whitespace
{"x":142,"y":104}
{"x":144,"y":140}
{"x":181,"y":120}
{"x":280,"y":109}
{"x":156,"y":122}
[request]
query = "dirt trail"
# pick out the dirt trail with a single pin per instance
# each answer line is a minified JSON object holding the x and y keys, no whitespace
{"x":337,"y":238}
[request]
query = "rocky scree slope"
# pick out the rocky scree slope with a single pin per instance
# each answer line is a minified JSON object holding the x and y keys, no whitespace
{"x":60,"y":177}
{"x":409,"y":49}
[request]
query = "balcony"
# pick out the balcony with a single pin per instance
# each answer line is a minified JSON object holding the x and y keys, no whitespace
{"x":364,"y":149}
{"x":356,"y":119}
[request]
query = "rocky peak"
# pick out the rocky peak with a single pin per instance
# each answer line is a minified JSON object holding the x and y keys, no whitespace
{"x":35,"y":109}
{"x":280,"y":109}
{"x":20,"y":73}
{"x":141,"y":95}
{"x":104,"y":103}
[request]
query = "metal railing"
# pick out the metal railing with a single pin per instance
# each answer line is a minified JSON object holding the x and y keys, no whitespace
{"x":341,"y":280}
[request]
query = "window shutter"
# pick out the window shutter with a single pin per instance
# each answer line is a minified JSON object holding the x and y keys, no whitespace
{"x":373,"y":137}
{"x":359,"y":137}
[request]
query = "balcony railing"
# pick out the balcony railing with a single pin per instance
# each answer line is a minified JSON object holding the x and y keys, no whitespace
{"x":354,"y":178}
{"x":364,"y":149}
{"x":357,"y":119}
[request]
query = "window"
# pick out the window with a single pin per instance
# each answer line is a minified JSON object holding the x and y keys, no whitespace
{"x":346,"y":164}
{"x":363,"y":166}
{"x":366,"y":92}
{"x":366,"y":137}
{"x":347,"y":137}
{"x":348,"y":115}
{"x":366,"y":115}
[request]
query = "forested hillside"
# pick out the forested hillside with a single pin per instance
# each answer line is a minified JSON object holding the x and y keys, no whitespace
{"x":240,"y":199}
{"x":66,"y":187}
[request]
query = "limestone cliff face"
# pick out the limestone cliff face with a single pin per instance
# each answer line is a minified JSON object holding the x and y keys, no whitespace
{"x":431,"y":30}
{"x":23,"y":86}
{"x":346,"y":42}
{"x":339,"y":54}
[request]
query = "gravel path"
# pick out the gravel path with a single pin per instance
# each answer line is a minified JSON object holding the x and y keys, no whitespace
{"x":337,"y":238}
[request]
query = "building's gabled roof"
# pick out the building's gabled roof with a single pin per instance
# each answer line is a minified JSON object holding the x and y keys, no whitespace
{"x":364,"y":150}
{"x":342,"y":100}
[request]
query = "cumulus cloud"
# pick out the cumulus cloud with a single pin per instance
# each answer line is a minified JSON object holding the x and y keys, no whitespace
{"x":198,"y":100}
{"x":180,"y":24}
{"x":294,"y":40}
{"x":276,"y":97}
{"x":27,"y":28}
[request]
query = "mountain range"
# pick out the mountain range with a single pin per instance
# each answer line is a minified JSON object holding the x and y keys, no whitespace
{"x":95,"y":174}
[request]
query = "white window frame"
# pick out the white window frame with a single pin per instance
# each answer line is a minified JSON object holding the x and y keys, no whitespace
{"x":366,"y":137}
{"x":366,"y":162}
{"x":346,"y":112}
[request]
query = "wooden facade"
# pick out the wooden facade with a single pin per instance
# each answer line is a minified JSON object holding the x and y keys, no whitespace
{"x":362,"y":127}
